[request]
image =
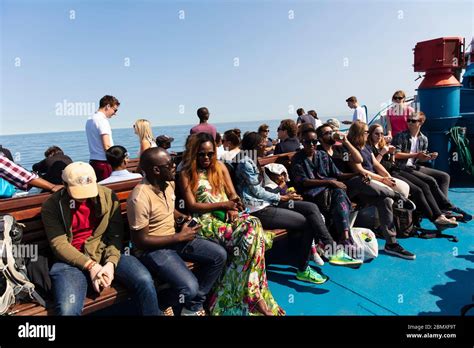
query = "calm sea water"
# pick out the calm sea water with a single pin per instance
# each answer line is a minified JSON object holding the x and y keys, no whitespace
{"x":29,"y":148}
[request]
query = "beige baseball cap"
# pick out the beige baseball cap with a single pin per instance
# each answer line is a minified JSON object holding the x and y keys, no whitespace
{"x":81,"y":180}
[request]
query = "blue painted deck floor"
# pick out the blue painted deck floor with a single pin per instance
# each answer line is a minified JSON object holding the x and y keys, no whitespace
{"x":439,"y":282}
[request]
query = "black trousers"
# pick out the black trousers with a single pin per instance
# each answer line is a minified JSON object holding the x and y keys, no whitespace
{"x":297,"y":216}
{"x":421,"y":194}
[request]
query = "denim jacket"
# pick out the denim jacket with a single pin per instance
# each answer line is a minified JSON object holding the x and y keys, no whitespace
{"x":402,"y":142}
{"x":250,"y":186}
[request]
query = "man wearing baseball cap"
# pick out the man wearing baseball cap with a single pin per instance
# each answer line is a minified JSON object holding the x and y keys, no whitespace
{"x":85,"y":230}
{"x":164,"y":141}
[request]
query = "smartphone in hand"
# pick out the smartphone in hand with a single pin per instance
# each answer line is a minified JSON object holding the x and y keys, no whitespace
{"x":192,"y":223}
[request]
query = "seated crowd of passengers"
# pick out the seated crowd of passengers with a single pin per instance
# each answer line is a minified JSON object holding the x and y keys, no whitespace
{"x":232,"y":204}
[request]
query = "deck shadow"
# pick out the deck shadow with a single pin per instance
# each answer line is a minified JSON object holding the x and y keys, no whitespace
{"x":459,"y":288}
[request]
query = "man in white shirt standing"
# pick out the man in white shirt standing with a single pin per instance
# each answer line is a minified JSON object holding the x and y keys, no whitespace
{"x":359,"y":111}
{"x":99,"y":136}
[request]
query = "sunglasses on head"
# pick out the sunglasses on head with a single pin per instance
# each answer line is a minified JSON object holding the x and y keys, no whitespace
{"x":412,"y":120}
{"x":204,"y":154}
{"x":310,"y":142}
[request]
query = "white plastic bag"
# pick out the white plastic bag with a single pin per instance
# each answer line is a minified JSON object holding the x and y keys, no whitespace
{"x":367,"y":247}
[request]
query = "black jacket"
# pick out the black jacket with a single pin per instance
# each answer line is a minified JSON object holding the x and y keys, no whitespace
{"x":52,"y":167}
{"x":287,"y":145}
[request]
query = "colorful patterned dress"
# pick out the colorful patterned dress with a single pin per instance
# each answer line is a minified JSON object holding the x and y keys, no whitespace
{"x":244,"y":281}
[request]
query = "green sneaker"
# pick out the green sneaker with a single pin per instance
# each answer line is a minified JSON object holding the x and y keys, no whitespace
{"x":311,"y":276}
{"x":342,"y":259}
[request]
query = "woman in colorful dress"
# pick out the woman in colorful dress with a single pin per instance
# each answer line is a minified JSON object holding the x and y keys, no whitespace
{"x":209,"y":193}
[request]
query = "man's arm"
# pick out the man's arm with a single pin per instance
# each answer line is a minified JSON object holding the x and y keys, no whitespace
{"x":45,"y":185}
{"x":115,"y":232}
{"x":380,"y":169}
{"x":317,"y":182}
{"x":105,"y":141}
{"x":355,"y":154}
{"x":346,"y":176}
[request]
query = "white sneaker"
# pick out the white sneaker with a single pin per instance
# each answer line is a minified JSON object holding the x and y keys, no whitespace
{"x":187,"y":313}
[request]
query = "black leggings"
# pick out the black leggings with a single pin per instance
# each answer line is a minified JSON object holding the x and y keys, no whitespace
{"x":421,"y":194}
{"x":297,"y":216}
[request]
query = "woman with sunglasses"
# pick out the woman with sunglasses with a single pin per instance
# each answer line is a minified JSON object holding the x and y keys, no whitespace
{"x":210,"y":195}
{"x":397,"y":115}
{"x":264,"y":131}
{"x":420,"y":191}
{"x":142,"y":128}
{"x":358,"y":135}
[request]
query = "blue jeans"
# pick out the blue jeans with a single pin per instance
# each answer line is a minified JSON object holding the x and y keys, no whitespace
{"x":70,"y":286}
{"x":169,"y":265}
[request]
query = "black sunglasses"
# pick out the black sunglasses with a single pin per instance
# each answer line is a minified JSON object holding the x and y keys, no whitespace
{"x":310,"y":142}
{"x":204,"y":154}
{"x":398,"y":98}
{"x":411,"y":120}
{"x":328,"y":133}
{"x":168,"y":165}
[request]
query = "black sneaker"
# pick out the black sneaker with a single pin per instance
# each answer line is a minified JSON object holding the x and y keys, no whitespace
{"x":397,"y":250}
{"x":466,"y":216}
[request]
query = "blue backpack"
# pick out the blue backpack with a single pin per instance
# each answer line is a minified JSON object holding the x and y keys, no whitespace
{"x":6,"y":189}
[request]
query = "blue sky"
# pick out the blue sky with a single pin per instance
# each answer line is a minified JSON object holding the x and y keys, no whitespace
{"x":312,"y":54}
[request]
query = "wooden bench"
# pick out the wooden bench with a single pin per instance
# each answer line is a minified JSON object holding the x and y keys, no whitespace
{"x":27,"y":210}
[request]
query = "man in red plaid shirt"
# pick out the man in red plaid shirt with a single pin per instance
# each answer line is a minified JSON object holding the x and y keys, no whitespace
{"x":21,"y":178}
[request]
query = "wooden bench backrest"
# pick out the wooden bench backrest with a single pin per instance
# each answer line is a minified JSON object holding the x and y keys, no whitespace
{"x":27,"y":210}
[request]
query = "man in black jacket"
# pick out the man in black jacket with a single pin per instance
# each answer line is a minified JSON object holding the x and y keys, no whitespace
{"x":52,"y":166}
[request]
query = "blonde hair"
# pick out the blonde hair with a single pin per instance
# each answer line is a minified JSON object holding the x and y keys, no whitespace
{"x":143,"y":129}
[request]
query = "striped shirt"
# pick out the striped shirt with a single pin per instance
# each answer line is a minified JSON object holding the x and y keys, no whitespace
{"x":15,"y":174}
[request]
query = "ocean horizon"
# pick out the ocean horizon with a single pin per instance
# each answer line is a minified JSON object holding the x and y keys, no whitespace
{"x":28,"y":149}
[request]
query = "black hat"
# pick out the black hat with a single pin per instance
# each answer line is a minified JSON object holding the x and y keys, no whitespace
{"x":164,"y":139}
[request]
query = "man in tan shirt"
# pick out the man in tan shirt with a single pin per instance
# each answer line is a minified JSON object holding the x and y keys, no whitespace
{"x":151,"y":216}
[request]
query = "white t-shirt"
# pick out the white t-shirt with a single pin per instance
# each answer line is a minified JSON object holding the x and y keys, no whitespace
{"x":229,"y":155}
{"x":413,"y":149}
{"x":359,"y":114}
{"x":120,"y":175}
{"x":96,"y":126}
{"x":318,"y":122}
{"x":220,"y":152}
